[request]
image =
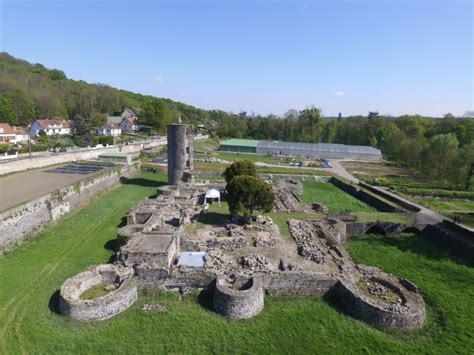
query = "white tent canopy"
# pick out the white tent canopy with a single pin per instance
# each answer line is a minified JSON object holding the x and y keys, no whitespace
{"x":213,"y":194}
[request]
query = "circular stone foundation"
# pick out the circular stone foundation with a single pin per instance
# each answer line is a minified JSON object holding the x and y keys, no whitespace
{"x":243,"y":299}
{"x":120,"y":293}
{"x":382,"y":300}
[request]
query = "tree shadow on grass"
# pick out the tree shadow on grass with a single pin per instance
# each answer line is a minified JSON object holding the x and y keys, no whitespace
{"x":53,"y":303}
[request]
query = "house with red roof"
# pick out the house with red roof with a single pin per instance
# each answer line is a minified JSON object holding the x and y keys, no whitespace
{"x":14,"y":135}
{"x":52,"y":126}
{"x":130,"y":120}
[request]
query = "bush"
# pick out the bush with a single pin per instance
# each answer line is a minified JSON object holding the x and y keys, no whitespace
{"x":4,"y":147}
{"x":246,"y":194}
{"x":434,"y":192}
{"x":106,"y":140}
{"x":239,"y":168}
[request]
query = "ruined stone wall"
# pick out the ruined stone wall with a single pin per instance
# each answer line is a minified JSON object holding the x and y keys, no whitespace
{"x":245,"y":301}
{"x":450,"y":242}
{"x":298,"y":283}
{"x":101,"y":308}
{"x":27,"y":219}
{"x":359,"y":306}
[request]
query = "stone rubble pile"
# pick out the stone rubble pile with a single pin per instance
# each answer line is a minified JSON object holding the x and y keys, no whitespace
{"x":264,"y":242}
{"x":214,"y":259}
{"x":154,"y":307}
{"x":227,"y":243}
{"x":309,"y":246}
{"x":256,"y":262}
{"x":320,"y":208}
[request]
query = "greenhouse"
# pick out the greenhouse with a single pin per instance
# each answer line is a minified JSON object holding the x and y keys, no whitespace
{"x":319,"y":150}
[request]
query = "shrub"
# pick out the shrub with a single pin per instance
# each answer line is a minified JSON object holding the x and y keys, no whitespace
{"x":106,"y":140}
{"x":246,"y":194}
{"x":4,"y":147}
{"x":239,"y":168}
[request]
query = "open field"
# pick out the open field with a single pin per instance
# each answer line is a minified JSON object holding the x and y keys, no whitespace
{"x":32,"y":274}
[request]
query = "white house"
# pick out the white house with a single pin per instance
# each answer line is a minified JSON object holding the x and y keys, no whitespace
{"x":50,"y":127}
{"x":110,"y":129}
{"x":14,"y":135}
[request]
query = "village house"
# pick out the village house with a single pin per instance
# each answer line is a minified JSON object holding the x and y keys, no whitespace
{"x":50,"y":127}
{"x":14,"y":135}
{"x":110,"y":129}
{"x":128,"y":120}
{"x":130,"y":124}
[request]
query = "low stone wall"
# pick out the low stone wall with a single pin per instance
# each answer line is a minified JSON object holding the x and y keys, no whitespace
{"x":101,"y":308}
{"x":364,"y":196}
{"x":392,"y":198}
{"x":451,"y":242}
{"x":19,"y":222}
{"x":384,"y":228}
{"x":405,"y":316}
{"x":298,"y":283}
{"x":242,"y":302}
{"x":61,"y":158}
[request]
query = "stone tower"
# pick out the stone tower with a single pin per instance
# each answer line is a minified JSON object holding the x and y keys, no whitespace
{"x":180,"y":152}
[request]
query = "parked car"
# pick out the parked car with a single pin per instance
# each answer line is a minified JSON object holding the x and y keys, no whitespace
{"x":325,"y":163}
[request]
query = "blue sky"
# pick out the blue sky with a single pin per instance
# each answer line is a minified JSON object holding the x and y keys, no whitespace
{"x":259,"y":56}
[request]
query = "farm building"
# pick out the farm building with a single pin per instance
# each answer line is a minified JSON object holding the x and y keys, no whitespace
{"x":313,"y":150}
{"x":319,"y":150}
{"x":239,"y":145}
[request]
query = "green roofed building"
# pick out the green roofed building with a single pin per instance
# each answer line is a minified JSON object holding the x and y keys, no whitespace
{"x":239,"y":145}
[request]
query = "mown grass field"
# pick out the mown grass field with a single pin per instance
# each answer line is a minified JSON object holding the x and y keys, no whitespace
{"x":31,"y":275}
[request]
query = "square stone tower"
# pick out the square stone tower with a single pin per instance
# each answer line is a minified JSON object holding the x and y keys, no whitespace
{"x":180,"y":152}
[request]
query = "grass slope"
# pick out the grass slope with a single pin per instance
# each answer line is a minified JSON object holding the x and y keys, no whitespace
{"x":31,"y":275}
{"x":333,"y":197}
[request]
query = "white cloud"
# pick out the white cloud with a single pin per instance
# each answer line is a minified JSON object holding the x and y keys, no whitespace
{"x":338,"y":93}
{"x":157,"y":79}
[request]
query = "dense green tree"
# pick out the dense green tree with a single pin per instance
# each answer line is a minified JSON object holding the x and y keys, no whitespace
{"x":239,"y":168}
{"x":7,"y":113}
{"x":79,"y":130}
{"x":56,"y":74}
{"x":246,"y":194}
{"x":439,"y":157}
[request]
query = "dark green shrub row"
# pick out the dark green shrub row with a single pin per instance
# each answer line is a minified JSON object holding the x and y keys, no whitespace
{"x":434,"y":192}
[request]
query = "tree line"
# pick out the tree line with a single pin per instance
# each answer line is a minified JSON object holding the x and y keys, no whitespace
{"x":441,"y":148}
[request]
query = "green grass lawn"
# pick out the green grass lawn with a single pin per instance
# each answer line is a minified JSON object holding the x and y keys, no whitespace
{"x":31,"y":275}
{"x":333,"y":197}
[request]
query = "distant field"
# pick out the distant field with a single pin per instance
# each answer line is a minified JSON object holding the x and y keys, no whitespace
{"x":32,"y":274}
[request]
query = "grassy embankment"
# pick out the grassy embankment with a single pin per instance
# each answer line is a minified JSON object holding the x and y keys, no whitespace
{"x":32,"y":274}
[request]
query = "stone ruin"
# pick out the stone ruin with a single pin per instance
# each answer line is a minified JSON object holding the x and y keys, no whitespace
{"x":239,"y":263}
{"x":162,"y":248}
